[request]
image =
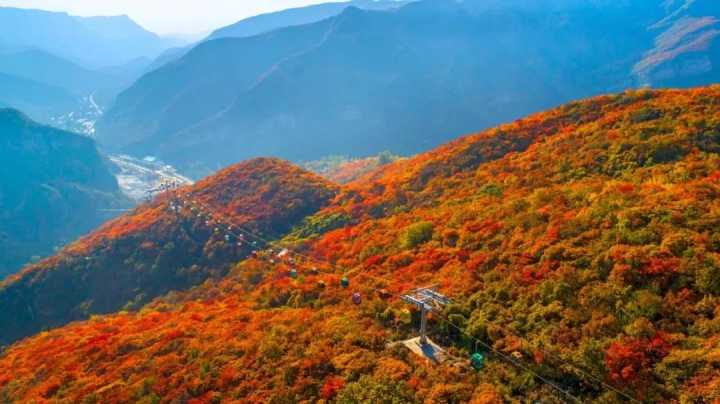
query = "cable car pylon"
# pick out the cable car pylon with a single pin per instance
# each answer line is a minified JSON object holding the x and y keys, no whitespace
{"x":428,"y":300}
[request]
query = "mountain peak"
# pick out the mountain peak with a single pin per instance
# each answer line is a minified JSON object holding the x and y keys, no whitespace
{"x":299,"y":16}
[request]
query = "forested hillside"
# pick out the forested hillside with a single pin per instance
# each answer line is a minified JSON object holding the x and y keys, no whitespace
{"x":48,"y":177}
{"x":580,"y":247}
{"x":151,"y":251}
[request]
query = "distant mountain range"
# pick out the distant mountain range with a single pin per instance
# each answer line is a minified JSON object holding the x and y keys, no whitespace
{"x":263,"y":23}
{"x":63,"y":70}
{"x":72,"y":79}
{"x":55,"y":186}
{"x":90,"y":41}
{"x":40,"y":100}
{"x":38,"y":65}
{"x":56,"y":91}
{"x":403,"y":80}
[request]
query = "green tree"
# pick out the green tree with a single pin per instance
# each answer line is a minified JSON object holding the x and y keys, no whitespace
{"x":386,"y":157}
{"x":371,"y":391}
{"x":417,"y":234}
{"x":707,"y":278}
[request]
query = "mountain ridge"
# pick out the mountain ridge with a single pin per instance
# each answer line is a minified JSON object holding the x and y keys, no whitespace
{"x":267,"y":22}
{"x":93,"y":42}
{"x":41,"y":101}
{"x":596,"y":267}
{"x":298,"y":95}
{"x":33,"y":65}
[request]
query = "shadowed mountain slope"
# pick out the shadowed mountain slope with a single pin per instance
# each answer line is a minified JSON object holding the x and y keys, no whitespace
{"x":42,"y":101}
{"x":54,"y":187}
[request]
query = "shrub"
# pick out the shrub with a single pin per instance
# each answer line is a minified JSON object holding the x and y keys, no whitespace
{"x":644,"y":115}
{"x":371,"y":390}
{"x":331,"y":387}
{"x":492,"y":190}
{"x":644,"y":303}
{"x":417,"y":234}
{"x":630,"y":361}
{"x":707,"y":278}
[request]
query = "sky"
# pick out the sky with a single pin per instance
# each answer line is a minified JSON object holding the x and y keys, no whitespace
{"x":167,"y":17}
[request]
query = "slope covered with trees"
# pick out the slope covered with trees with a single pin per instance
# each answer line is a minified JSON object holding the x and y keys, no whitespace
{"x":150,"y":251}
{"x":581,"y":242}
{"x":54,"y":187}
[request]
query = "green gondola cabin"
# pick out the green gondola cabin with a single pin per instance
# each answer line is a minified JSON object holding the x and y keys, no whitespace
{"x":477,"y":361}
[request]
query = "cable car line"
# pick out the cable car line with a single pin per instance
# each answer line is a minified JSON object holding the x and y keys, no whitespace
{"x":356,"y":297}
{"x":515,"y":362}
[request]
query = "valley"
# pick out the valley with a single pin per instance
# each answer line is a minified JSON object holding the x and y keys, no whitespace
{"x":139,"y":178}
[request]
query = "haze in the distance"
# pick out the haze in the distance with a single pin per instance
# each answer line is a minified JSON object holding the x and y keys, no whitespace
{"x":166,"y":17}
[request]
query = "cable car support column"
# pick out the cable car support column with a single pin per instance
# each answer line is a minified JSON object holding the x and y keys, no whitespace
{"x":423,"y":324}
{"x":428,"y":301}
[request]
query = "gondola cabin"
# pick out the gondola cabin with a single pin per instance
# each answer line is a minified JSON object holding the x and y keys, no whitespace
{"x":477,"y":361}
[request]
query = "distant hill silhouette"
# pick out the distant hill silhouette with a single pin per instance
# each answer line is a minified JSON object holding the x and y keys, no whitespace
{"x":90,"y":41}
{"x":41,"y":101}
{"x":64,"y":70}
{"x":44,"y":67}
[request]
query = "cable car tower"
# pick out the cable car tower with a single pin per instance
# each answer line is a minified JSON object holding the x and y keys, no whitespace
{"x":428,"y":300}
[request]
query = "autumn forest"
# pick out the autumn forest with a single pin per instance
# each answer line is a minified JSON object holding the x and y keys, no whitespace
{"x":580,"y":249}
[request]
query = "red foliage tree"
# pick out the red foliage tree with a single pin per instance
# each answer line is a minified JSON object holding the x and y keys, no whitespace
{"x":629,"y":361}
{"x":332,"y":387}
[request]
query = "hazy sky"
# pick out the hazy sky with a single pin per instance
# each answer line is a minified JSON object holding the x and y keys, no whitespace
{"x":167,"y":16}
